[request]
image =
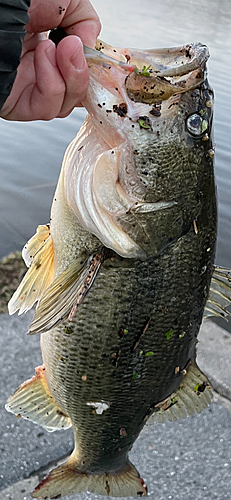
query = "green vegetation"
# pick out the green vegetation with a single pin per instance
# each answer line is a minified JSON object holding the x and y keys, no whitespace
{"x":143,"y":123}
{"x":204,"y":126}
{"x":144,"y":71}
{"x":169,"y":334}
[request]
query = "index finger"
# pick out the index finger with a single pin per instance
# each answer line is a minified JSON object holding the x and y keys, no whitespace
{"x":77,"y":17}
{"x":83,"y":22}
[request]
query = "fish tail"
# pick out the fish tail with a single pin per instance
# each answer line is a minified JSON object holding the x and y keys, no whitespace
{"x":66,"y":480}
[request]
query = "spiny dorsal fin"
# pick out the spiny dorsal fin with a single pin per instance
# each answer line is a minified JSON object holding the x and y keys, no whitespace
{"x":219,"y":294}
{"x":35,"y":243}
{"x":37,"y":279}
{"x":33,"y":401}
{"x":193,"y":395}
{"x":65,"y":294}
{"x":67,"y":479}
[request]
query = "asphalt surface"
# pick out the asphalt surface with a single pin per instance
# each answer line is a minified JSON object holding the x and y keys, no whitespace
{"x":183,"y":460}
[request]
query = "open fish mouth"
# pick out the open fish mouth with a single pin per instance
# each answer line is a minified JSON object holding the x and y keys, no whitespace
{"x":172,"y":71}
{"x":154,"y":75}
{"x":151,"y":75}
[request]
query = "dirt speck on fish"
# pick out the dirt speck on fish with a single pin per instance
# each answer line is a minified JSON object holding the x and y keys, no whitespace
{"x":121,"y":276}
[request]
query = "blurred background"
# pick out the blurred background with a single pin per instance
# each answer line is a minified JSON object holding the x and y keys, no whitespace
{"x":31,"y":153}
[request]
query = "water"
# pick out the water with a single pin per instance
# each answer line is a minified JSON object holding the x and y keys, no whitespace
{"x":31,"y":153}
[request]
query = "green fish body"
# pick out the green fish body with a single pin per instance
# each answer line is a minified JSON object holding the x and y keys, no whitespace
{"x":123,"y":272}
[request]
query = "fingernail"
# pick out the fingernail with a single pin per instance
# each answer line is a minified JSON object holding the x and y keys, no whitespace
{"x":78,"y":59}
{"x":51,"y":55}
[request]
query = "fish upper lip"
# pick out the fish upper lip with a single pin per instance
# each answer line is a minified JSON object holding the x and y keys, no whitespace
{"x":197,"y":53}
{"x":166,"y":62}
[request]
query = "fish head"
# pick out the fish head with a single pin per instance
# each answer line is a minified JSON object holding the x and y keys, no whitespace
{"x":151,"y":110}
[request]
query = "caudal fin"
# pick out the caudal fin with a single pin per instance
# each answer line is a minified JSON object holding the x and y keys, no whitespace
{"x":65,"y":480}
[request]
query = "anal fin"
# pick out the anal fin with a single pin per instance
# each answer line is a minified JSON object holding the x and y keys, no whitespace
{"x":193,"y":396}
{"x":66,"y":479}
{"x":33,"y":401}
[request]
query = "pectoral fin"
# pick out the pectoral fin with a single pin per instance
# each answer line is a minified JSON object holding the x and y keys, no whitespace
{"x":219,"y":294}
{"x":67,"y":479}
{"x":65,"y":294}
{"x":33,"y":401}
{"x":193,"y":396}
{"x":35,"y":243}
{"x":38,"y":277}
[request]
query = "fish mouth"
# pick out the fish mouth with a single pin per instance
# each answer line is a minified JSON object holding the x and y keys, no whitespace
{"x":154,"y":75}
{"x":167,"y":72}
{"x":178,"y":61}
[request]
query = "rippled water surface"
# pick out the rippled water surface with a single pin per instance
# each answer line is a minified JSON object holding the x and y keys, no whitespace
{"x":31,"y":153}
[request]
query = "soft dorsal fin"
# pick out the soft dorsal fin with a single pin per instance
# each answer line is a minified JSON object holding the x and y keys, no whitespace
{"x":35,"y":243}
{"x":193,"y":395}
{"x":219,"y":294}
{"x":66,"y":293}
{"x":33,"y":401}
{"x":37,"y":279}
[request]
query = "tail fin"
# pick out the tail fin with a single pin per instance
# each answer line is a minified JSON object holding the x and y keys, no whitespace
{"x":66,"y":479}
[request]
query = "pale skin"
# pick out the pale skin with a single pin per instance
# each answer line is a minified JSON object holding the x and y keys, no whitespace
{"x":51,"y":81}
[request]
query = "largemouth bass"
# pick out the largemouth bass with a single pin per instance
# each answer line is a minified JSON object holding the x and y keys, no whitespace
{"x":122,"y":273}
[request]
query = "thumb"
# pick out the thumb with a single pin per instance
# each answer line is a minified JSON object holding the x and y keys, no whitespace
{"x":73,"y":68}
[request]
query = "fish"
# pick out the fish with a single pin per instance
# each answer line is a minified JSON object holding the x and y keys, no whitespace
{"x":124,"y":272}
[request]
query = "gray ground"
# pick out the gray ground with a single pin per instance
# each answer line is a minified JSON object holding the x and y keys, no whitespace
{"x":183,"y":460}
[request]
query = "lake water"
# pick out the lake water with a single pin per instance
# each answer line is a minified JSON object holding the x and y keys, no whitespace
{"x":31,"y":153}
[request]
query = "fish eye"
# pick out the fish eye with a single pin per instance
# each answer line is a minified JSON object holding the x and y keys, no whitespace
{"x":196,"y":124}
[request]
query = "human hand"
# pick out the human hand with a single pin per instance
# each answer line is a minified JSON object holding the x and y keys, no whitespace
{"x":52,"y":80}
